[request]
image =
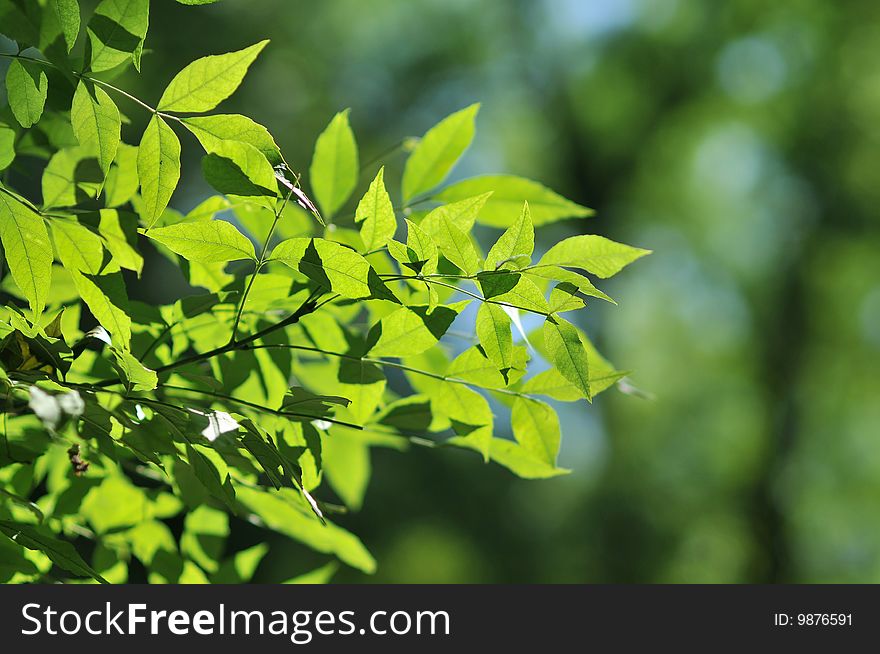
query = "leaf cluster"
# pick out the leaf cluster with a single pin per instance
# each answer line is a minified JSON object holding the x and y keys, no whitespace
{"x":328,"y":320}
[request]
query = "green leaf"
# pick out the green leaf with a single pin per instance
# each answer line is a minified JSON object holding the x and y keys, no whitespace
{"x":457,"y":246}
{"x":204,"y":536}
{"x":158,"y":168}
{"x":509,"y":193}
{"x":28,"y":250}
{"x":70,"y":177}
{"x":346,"y":462}
{"x":107,"y":299}
{"x":116,"y":33}
{"x":78,"y":247}
{"x":238,"y":168}
{"x":567,"y":353}
{"x":206,"y":241}
{"x":493,"y":330}
{"x":376,"y":214}
{"x":564,"y":297}
{"x":241,"y":567}
{"x":473,"y":366}
{"x":462,"y":214}
{"x":60,"y":552}
{"x":555,"y":273}
{"x":26,"y":89}
{"x":321,"y":575}
{"x":206,"y":82}
{"x":96,"y":123}
{"x":277,"y":510}
{"x":536,"y":427}
{"x":422,"y":251}
{"x":551,"y":383}
{"x":115,"y":503}
{"x":469,"y":413}
{"x":409,"y":331}
{"x":334,"y":169}
{"x":514,"y":457}
{"x":122,"y":179}
{"x":119,"y":233}
{"x":210,"y":478}
{"x":299,"y":400}
{"x":595,"y":254}
{"x":7,"y":145}
{"x":437,"y":152}
{"x":329,"y":264}
{"x":515,"y":290}
{"x":515,"y":245}
{"x":213,"y":130}
{"x":67,"y":14}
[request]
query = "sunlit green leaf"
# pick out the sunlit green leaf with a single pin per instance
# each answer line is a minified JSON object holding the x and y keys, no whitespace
{"x":60,"y":552}
{"x":213,"y":130}
{"x":135,"y":374}
{"x":206,"y":82}
{"x":536,"y":427}
{"x":158,"y":168}
{"x":28,"y":250}
{"x":409,"y":330}
{"x":206,"y":241}
{"x":96,"y":123}
{"x":26,"y":89}
{"x":122,"y":180}
{"x":595,"y":254}
{"x":469,"y":413}
{"x":376,"y":214}
{"x":329,"y":264}
{"x":276,"y":510}
{"x":514,"y":247}
{"x":493,"y":330}
{"x":7,"y":145}
{"x":238,"y":168}
{"x":116,"y":33}
{"x":334,"y":170}
{"x":508,"y":194}
{"x":567,"y":353}
{"x":437,"y":152}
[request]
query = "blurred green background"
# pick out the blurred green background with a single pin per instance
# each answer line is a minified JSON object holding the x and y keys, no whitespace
{"x":739,"y":141}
